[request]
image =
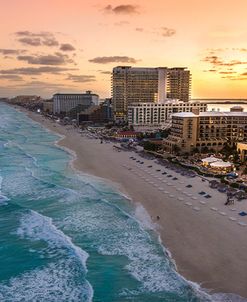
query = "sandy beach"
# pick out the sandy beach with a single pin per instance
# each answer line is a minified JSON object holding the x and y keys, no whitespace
{"x":206,"y":239}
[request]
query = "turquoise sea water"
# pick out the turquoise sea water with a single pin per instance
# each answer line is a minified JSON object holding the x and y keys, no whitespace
{"x":70,"y":237}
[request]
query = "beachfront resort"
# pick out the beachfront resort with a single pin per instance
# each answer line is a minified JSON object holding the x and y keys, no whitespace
{"x":151,"y":110}
{"x":191,"y":161}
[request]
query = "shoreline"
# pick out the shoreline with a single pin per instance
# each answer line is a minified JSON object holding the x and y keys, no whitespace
{"x":190,"y":251}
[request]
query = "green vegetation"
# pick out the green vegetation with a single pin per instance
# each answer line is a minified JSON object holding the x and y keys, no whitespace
{"x":149,"y":146}
{"x":165,"y":133}
{"x":176,"y":149}
{"x":245,"y":170}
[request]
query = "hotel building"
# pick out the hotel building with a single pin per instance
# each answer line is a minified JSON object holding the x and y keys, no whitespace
{"x":147,"y":85}
{"x":210,"y":130}
{"x":64,"y":102}
{"x":159,"y":114}
{"x":179,"y":84}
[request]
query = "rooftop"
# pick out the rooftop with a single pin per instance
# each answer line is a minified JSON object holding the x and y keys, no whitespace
{"x":73,"y":94}
{"x":209,"y":113}
{"x":149,"y":68}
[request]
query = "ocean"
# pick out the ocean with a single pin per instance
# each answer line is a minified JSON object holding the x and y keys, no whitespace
{"x":68,"y":236}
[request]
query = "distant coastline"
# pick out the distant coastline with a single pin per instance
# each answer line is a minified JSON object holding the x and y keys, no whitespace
{"x":221,"y":101}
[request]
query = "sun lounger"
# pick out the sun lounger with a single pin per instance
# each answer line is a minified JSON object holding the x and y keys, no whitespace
{"x":222,"y":213}
{"x":242,"y":214}
{"x":196,"y":209}
{"x":214,"y":209}
{"x":189,"y":186}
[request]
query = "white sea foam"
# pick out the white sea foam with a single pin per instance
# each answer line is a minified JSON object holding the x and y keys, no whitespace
{"x":38,"y":227}
{"x":221,"y":297}
{"x":3,"y":198}
{"x":120,"y":235}
{"x":54,"y":283}
{"x":144,"y":218}
{"x":57,"y":279}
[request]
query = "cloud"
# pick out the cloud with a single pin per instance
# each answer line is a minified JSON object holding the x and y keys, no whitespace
{"x":35,"y":70}
{"x":140,"y":29}
{"x":124,"y":9}
{"x":50,"y":42}
{"x":46,"y":89}
{"x":36,"y":38}
{"x":43,"y":84}
{"x":121,"y":23}
{"x":241,"y":77}
{"x":9,"y":52}
{"x":213,"y":50}
{"x":210,"y":70}
{"x":56,"y":59}
{"x":26,"y":33}
{"x":81,"y":78}
{"x":226,"y":63}
{"x":113,"y":59}
{"x":30,"y":41}
{"x":227,"y":72}
{"x":10,"y":77}
{"x":167,"y":32}
{"x":164,"y":31}
{"x":216,"y":50}
{"x":67,"y":47}
{"x":217,"y":61}
{"x":104,"y":72}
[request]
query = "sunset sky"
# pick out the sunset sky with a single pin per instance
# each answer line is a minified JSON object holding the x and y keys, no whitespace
{"x":54,"y":46}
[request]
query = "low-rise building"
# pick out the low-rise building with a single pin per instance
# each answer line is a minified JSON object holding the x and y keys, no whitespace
{"x":25,"y":99}
{"x":159,"y":114}
{"x":201,"y":130}
{"x":217,"y":164}
{"x":48,"y":106}
{"x":127,"y":134}
{"x":96,"y":114}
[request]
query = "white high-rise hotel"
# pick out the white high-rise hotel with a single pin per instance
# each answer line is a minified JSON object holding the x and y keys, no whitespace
{"x":147,"y":85}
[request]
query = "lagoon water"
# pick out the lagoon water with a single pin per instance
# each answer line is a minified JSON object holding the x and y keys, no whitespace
{"x":225,"y":107}
{"x":66,"y":236}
